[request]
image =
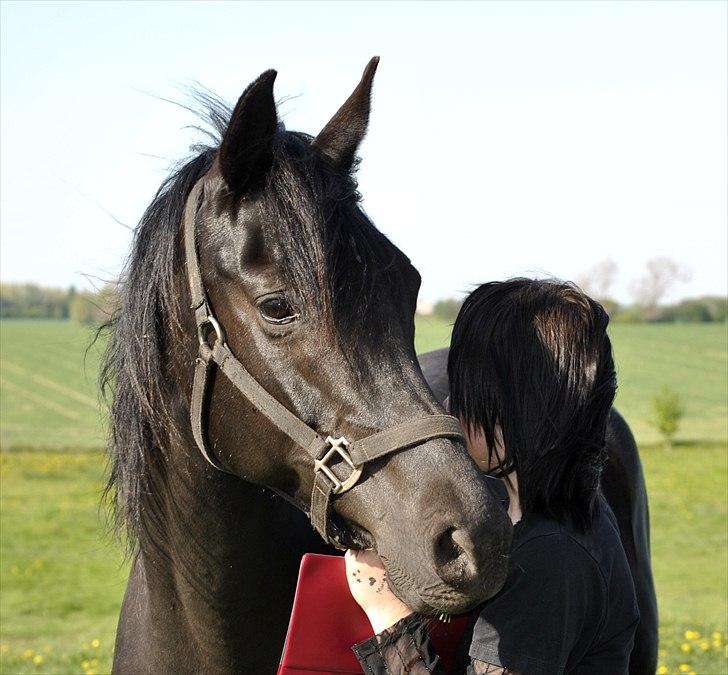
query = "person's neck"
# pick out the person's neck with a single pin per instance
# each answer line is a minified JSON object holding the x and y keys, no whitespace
{"x":514,"y":503}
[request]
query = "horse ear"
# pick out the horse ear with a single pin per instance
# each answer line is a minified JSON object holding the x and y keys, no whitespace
{"x":340,"y":138}
{"x":245,"y":151}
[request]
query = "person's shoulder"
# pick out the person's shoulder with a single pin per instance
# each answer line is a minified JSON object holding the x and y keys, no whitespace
{"x":552,"y":591}
{"x":602,"y":540}
{"x":554,"y":544}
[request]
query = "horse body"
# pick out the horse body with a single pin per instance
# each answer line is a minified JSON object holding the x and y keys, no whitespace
{"x":623,"y":485}
{"x":318,"y":305}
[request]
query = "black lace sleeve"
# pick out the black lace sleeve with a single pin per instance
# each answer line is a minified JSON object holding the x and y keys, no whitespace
{"x":405,"y":648}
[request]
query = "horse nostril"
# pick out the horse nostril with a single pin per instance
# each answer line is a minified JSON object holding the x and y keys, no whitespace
{"x":446,"y":548}
{"x":454,"y":559}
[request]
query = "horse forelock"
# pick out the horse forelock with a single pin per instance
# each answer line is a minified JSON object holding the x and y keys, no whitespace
{"x":337,"y":264}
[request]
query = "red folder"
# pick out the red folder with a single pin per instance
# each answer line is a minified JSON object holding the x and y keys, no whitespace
{"x":326,"y":622}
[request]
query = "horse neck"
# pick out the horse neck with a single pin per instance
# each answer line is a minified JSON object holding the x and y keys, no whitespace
{"x":211,"y":588}
{"x":217,"y":582}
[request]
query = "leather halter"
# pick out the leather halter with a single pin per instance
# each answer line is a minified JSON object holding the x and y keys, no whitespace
{"x":322,"y":450}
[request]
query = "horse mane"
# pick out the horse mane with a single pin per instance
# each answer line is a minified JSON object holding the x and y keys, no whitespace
{"x":333,"y":263}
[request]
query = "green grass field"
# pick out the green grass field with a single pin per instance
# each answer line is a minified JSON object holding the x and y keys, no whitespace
{"x":48,"y":383}
{"x":62,"y":576}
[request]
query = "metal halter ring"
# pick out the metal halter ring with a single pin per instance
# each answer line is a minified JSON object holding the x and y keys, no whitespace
{"x":211,"y":321}
{"x":338,"y":447}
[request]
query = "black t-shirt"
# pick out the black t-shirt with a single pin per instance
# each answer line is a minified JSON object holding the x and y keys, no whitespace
{"x":568,"y":604}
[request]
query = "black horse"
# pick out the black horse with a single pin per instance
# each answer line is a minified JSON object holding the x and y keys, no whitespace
{"x":319,"y":306}
{"x":623,"y":485}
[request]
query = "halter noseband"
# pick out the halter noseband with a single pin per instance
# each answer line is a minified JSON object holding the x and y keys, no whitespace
{"x":354,"y":454}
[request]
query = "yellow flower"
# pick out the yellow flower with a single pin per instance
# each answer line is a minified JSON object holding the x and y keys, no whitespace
{"x":704,"y":645}
{"x":662,"y":669}
{"x":95,"y":643}
{"x":716,"y":635}
{"x":85,"y":665}
{"x":684,"y":667}
{"x":692,"y":635}
{"x":37,"y":659}
{"x":4,"y":648}
{"x":27,"y":653}
{"x":685,"y":648}
{"x":716,"y":643}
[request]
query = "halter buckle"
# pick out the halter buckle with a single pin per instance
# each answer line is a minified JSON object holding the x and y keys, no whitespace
{"x":338,"y":446}
{"x":209,"y":320}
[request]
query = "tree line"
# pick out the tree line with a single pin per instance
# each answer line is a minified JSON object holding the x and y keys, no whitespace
{"x":31,"y":301}
{"x":704,"y":309}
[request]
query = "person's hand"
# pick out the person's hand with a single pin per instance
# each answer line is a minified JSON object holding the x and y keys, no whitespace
{"x":368,"y":584}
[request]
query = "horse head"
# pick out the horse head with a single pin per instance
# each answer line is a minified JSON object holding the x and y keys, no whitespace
{"x":318,"y":306}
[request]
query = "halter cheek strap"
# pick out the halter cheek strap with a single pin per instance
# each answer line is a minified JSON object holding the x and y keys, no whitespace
{"x":353,"y":455}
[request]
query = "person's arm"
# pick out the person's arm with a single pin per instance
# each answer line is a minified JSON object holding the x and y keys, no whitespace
{"x":401,"y":643}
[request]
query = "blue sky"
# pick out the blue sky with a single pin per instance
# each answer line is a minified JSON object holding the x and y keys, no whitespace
{"x":506,"y":138}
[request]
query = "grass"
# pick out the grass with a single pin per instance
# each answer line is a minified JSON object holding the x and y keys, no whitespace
{"x":63,"y":580}
{"x":431,"y":334}
{"x":48,"y":392}
{"x":691,"y":359}
{"x":688,"y":495}
{"x":62,"y":577}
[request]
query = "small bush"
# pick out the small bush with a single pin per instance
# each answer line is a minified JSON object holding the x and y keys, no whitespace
{"x":668,"y":412}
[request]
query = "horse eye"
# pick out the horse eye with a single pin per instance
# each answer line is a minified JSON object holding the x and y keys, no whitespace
{"x":277,"y":310}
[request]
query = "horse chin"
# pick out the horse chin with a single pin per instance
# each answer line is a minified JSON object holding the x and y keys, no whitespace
{"x":449,"y":603}
{"x":440,"y":598}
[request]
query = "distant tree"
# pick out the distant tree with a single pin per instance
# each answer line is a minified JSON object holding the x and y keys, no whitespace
{"x":611,"y":307}
{"x":597,"y":282}
{"x":30,"y":301}
{"x":668,"y":412}
{"x":93,"y":308}
{"x":662,"y":274}
{"x":688,"y":311}
{"x":82,"y":309}
{"x":629,"y":314}
{"x":717,"y":307}
{"x":448,"y":309}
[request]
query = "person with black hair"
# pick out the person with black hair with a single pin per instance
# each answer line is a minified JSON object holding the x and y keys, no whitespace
{"x":532,"y":379}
